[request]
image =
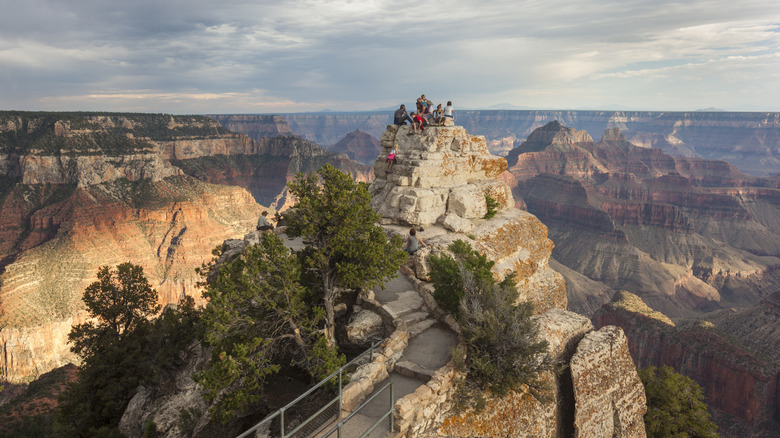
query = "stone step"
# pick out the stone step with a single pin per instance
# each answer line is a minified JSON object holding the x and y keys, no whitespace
{"x":407,"y":302}
{"x":419,"y":327}
{"x":409,"y":369}
{"x":412,"y":318}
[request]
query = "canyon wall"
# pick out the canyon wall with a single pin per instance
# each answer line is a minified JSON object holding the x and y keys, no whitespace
{"x":749,"y":140}
{"x":740,"y":384}
{"x":688,"y":235}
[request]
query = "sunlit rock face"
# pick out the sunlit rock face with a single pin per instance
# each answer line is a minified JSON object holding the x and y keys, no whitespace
{"x":738,"y":373}
{"x":442,"y":179}
{"x":80,"y":192}
{"x":689,"y":235}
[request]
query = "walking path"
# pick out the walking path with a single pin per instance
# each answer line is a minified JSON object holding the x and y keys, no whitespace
{"x":428,"y":350}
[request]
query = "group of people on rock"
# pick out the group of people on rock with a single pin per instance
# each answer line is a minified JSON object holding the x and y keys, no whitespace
{"x":426,"y":115}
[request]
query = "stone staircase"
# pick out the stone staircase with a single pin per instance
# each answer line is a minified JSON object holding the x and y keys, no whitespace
{"x":428,"y":350}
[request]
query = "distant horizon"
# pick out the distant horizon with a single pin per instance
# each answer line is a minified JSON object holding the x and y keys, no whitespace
{"x":389,"y":111}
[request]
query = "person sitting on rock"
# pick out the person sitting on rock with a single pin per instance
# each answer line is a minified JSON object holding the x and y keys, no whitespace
{"x":417,"y":124}
{"x":400,"y":117}
{"x":437,"y":115}
{"x":390,"y":160}
{"x":263,"y":224}
{"x":448,"y":110}
{"x":413,"y":242}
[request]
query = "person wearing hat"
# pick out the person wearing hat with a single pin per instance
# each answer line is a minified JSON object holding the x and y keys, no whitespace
{"x":263,"y":224}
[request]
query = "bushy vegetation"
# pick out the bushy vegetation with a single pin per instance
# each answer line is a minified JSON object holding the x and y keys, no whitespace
{"x":447,"y":274}
{"x":270,"y":308}
{"x":345,"y":248}
{"x":492,"y":207}
{"x":501,"y":350}
{"x":675,"y":405}
{"x":259,"y":319}
{"x":121,"y":349}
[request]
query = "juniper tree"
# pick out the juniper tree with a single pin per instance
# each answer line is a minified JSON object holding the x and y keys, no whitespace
{"x":344,"y":246}
{"x":259,"y":319}
{"x":675,"y":405}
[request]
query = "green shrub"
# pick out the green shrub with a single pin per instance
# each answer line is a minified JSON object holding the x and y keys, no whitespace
{"x":492,"y":207}
{"x":500,"y":349}
{"x":675,"y":405}
{"x":446,"y":273}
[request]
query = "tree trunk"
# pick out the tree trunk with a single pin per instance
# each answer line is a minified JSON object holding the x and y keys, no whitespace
{"x":330,"y":314}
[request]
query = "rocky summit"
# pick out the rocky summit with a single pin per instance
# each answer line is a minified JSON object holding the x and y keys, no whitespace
{"x":440,"y":182}
{"x":439,"y":185}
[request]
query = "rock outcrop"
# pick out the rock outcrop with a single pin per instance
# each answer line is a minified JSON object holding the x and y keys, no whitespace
{"x":689,"y":235}
{"x":740,"y":384}
{"x":442,"y":179}
{"x":439,"y":184}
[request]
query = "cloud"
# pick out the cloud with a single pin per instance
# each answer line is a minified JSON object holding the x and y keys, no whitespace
{"x":343,"y":54}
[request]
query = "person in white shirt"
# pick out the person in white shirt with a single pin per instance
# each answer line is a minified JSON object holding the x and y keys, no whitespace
{"x":448,"y":110}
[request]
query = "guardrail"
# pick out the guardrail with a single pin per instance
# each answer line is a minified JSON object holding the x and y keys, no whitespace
{"x":325,"y":414}
{"x":389,"y":413}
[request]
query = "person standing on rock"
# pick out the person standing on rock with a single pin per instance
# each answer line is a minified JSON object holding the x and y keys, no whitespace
{"x":413,"y":242}
{"x":390,"y":160}
{"x":400,"y":117}
{"x":263,"y":224}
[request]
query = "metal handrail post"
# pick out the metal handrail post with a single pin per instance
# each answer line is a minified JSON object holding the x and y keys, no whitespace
{"x":282,"y":420}
{"x":340,"y":393}
{"x":392,"y":406}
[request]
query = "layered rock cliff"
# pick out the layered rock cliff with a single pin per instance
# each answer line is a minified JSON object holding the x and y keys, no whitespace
{"x":358,"y":146}
{"x":740,"y":383}
{"x":751,"y":141}
{"x":688,"y":235}
{"x":79,"y":191}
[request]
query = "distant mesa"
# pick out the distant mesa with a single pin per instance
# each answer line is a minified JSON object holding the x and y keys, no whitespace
{"x":689,"y":235}
{"x":358,"y":146}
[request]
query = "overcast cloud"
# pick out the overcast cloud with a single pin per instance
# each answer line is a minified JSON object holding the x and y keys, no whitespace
{"x":198,"y":56}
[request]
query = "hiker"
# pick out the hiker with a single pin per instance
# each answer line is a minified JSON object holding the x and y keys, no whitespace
{"x":448,"y":110}
{"x":400,"y":117}
{"x":263,"y":224}
{"x":413,"y":242}
{"x":390,"y":160}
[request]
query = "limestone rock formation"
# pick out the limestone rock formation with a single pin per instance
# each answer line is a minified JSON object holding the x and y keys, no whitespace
{"x":610,"y":397}
{"x":441,"y":180}
{"x":439,"y":185}
{"x":690,"y":235}
{"x":738,"y":373}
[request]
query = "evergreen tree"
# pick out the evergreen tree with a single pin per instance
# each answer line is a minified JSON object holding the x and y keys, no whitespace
{"x":675,"y":405}
{"x":260,"y":318}
{"x":112,"y":349}
{"x":502,"y":347}
{"x":345,"y":248}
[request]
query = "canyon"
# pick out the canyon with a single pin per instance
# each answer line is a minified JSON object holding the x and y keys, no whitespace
{"x":730,"y":355}
{"x":83,"y":190}
{"x":748,"y":140}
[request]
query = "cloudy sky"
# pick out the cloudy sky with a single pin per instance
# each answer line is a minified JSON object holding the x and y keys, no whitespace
{"x":195,"y":56}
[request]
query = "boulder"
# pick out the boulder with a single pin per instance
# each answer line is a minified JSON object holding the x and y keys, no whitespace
{"x":363,"y":327}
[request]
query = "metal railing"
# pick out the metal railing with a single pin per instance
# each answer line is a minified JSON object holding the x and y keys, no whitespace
{"x":325,"y":414}
{"x":389,"y":413}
